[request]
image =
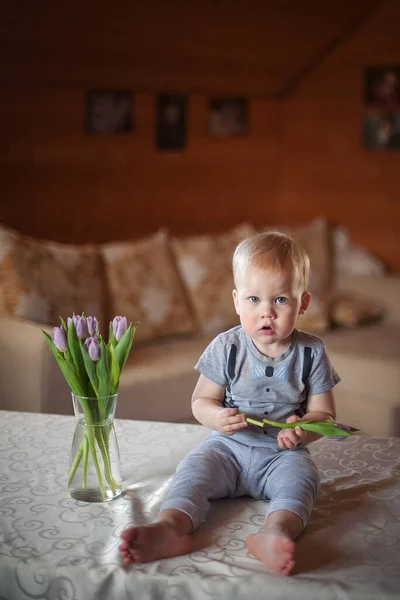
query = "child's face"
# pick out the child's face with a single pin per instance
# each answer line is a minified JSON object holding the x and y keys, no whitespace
{"x":268,"y":303}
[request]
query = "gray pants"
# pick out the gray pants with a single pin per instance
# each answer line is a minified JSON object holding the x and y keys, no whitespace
{"x":220,"y":467}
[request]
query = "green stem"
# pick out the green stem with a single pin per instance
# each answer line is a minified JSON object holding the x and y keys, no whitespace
{"x":92,"y":446}
{"x":85,"y":461}
{"x":254,"y":422}
{"x":104,"y":449}
{"x":106,"y":437}
{"x":273,"y":423}
{"x":281,"y":425}
{"x":75,"y":464}
{"x":93,"y":451}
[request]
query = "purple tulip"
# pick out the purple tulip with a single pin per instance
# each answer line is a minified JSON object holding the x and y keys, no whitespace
{"x":81,"y":327}
{"x":119,"y":325}
{"x":59,"y":339}
{"x":93,"y":348}
{"x":74,"y":320}
{"x":341,"y":438}
{"x":93,"y":326}
{"x":344,"y":427}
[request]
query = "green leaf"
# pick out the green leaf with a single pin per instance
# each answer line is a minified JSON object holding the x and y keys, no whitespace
{"x":114,"y":368}
{"x":102,"y":371}
{"x":76,"y":354}
{"x":325,"y":428}
{"x":63,"y":325}
{"x":90,"y":391}
{"x":90,"y":368}
{"x":111,"y":336}
{"x":67,"y":367}
{"x":56,"y":353}
{"x":124,"y":345}
{"x":72,"y":378}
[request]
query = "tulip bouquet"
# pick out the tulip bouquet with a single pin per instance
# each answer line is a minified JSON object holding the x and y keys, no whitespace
{"x":325,"y":427}
{"x":92,"y":370}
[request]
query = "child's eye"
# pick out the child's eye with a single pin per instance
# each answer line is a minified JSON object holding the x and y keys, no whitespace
{"x":281,"y":300}
{"x":254,"y":299}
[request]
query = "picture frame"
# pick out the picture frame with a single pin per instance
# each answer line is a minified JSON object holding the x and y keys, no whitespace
{"x":381,"y":131}
{"x":109,"y":112}
{"x":228,"y":117}
{"x":382,"y":86}
{"x":170,"y":122}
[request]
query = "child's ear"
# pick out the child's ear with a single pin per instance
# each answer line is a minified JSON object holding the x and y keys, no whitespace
{"x":305,"y":301}
{"x":235,"y":300}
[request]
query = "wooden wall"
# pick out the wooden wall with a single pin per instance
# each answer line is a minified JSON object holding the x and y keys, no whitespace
{"x":300,"y":64}
{"x":325,"y":168}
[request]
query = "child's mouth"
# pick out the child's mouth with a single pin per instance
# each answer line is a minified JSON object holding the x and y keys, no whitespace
{"x":267,"y":329}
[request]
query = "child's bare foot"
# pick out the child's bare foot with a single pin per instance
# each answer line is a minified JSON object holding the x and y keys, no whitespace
{"x":151,"y":542}
{"x":274,"y":548}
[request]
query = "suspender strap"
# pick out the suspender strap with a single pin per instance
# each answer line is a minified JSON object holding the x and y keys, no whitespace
{"x":306,"y":364}
{"x":232,"y":361}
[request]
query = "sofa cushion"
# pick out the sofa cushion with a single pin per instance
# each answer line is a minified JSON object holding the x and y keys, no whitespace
{"x":367,"y":359}
{"x":364,"y":412}
{"x":351,"y":259}
{"x":158,"y":380}
{"x":350,"y":310}
{"x":205,"y":264}
{"x":383,"y":291}
{"x":42,"y":280}
{"x":164,"y":359}
{"x":144,"y":285}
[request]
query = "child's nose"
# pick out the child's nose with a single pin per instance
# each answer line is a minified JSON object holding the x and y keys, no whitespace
{"x":268,"y":311}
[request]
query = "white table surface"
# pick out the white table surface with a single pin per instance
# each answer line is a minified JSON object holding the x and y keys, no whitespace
{"x":54,"y":547}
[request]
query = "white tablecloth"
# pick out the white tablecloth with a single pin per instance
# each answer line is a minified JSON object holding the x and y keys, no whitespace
{"x":53,"y":547}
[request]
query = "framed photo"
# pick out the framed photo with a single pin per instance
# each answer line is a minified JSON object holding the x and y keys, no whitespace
{"x":228,"y":117}
{"x":170,"y":122}
{"x":382,"y":131}
{"x":109,"y":111}
{"x":382,"y":86}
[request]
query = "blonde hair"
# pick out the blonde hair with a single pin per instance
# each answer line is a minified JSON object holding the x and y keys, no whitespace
{"x":271,"y":249}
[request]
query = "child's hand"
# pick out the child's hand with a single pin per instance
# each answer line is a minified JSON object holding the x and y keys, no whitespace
{"x":227,"y":421}
{"x":291,"y":438}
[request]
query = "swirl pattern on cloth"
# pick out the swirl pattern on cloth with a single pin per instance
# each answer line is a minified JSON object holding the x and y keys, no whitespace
{"x":54,"y":547}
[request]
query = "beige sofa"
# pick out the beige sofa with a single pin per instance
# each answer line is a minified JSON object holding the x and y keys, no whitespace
{"x":158,"y":379}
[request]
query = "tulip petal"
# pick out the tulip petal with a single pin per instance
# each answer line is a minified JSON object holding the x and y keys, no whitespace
{"x":59,"y":339}
{"x":81,"y":328}
{"x":93,"y":326}
{"x":119,"y":325}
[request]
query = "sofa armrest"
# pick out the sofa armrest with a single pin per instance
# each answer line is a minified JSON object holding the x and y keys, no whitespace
{"x":30,"y":377}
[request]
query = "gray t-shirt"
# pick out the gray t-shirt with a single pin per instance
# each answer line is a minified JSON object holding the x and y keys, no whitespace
{"x":260,"y":386}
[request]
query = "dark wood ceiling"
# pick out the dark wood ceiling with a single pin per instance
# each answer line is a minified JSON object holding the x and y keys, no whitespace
{"x":258,"y":47}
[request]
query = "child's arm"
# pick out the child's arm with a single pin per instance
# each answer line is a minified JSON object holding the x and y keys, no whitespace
{"x":319,"y":407}
{"x":208,"y":409}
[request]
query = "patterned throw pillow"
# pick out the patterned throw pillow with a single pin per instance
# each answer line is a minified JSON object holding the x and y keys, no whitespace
{"x":352,"y":259}
{"x":205,"y":264}
{"x":41,"y":280}
{"x":314,"y":237}
{"x":144,"y":285}
{"x":350,"y":310}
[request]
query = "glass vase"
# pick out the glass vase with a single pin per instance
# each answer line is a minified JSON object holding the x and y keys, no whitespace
{"x":94,"y":473}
